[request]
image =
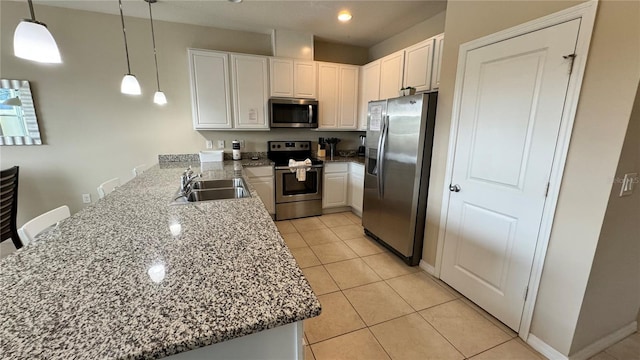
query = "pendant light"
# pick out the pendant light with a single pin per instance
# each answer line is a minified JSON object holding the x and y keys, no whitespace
{"x":33,"y":41}
{"x":159,"y":97}
{"x":129,"y":83}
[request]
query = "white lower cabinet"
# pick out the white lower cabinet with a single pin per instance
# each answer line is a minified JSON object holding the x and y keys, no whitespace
{"x":356,"y":187}
{"x":261,"y":178}
{"x":336,"y":182}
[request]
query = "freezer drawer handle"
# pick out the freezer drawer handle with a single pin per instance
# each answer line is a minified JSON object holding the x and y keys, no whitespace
{"x":454,"y":188}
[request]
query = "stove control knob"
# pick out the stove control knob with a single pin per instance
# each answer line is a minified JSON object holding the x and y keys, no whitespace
{"x":278,"y":146}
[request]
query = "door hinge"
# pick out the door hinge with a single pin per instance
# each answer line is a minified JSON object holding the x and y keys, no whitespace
{"x":546,"y":193}
{"x":526,"y":292}
{"x":573,"y":59}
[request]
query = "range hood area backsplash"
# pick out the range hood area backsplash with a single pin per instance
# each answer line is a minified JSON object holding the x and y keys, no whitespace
{"x":256,"y":141}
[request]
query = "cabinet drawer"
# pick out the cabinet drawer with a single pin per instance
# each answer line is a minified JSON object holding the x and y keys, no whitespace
{"x":257,"y":171}
{"x":336,"y":167}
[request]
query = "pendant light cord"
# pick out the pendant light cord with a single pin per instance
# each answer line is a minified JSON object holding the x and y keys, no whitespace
{"x":33,"y":14}
{"x":124,"y":32}
{"x":153,"y":39}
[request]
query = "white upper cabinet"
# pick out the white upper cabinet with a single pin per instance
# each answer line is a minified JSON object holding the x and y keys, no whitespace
{"x":292,"y":78}
{"x":437,"y":61}
{"x":417,"y":66}
{"x":369,"y":90}
{"x":304,"y":79}
{"x":250,"y":91}
{"x":281,"y":77}
{"x":337,"y":96}
{"x":418,"y":61}
{"x":348,"y":101}
{"x":210,"y":92}
{"x":391,"y":71}
{"x":328,"y":78}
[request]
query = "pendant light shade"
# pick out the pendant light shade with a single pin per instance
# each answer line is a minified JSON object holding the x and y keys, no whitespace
{"x":33,"y":41}
{"x":130,"y":85}
{"x":159,"y":98}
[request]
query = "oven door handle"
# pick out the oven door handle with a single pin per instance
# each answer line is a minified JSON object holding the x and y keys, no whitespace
{"x":313,"y":167}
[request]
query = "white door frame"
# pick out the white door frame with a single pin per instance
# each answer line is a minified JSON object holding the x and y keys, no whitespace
{"x":587,"y":13}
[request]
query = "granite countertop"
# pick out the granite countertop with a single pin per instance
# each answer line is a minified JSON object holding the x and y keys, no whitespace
{"x":134,"y":277}
{"x":354,"y":159}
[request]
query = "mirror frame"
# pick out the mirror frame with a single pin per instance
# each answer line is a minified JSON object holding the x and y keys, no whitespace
{"x":30,"y":120}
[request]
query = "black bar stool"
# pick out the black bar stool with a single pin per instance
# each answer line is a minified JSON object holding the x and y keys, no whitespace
{"x":9,"y":205}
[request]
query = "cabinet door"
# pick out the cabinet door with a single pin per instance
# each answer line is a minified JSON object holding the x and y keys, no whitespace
{"x":265,"y":189}
{"x":417,"y":65}
{"x":250,"y":91}
{"x":348,"y":97}
{"x":281,"y":77}
{"x":210,"y":93}
{"x":437,"y":61}
{"x":356,"y":187}
{"x":328,"y":76}
{"x":335,"y":190}
{"x":369,"y":90}
{"x":391,"y":70}
{"x":304,"y":77}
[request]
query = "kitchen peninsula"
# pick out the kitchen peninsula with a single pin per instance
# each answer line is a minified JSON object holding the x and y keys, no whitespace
{"x":134,"y":277}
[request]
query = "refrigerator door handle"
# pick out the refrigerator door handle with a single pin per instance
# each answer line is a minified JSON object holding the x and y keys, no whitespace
{"x":381,"y":151}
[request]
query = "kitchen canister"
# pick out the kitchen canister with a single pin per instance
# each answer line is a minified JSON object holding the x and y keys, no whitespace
{"x":235,"y":146}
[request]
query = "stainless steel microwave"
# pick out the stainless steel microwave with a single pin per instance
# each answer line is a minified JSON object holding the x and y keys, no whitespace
{"x":293,"y":113}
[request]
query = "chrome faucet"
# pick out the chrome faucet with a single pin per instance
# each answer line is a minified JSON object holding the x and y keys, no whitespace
{"x":186,"y":180}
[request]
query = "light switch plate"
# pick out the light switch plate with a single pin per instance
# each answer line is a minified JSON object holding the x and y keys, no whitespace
{"x":628,"y":184}
{"x":209,"y":144}
{"x":86,"y":198}
{"x":220,"y":144}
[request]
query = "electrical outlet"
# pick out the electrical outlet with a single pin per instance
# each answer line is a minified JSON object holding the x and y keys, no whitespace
{"x":209,"y":144}
{"x":241,"y":144}
{"x":628,"y":183}
{"x":86,"y":198}
{"x":220,"y":144}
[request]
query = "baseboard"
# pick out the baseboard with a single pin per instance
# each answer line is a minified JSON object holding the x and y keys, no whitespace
{"x":428,"y":268}
{"x":336,"y":210}
{"x":605,"y":342}
{"x":545,"y":349}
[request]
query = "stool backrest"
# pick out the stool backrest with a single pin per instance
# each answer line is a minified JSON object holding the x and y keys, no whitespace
{"x":108,"y":186}
{"x":9,"y":205}
{"x":138,"y":170}
{"x":33,"y":227}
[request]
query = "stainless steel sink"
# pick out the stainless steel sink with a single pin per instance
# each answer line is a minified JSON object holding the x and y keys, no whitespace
{"x":218,"y":184}
{"x":209,"y":190}
{"x":218,"y":194}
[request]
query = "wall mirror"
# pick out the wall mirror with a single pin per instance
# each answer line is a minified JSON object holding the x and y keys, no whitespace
{"x":18,"y":123}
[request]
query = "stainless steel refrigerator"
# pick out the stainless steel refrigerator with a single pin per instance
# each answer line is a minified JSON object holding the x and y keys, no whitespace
{"x":397,"y":166}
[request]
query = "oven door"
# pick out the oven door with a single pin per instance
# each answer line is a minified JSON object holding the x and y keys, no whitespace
{"x":289,"y":189}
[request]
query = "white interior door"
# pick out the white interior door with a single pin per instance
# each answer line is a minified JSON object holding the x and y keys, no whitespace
{"x":511,"y":108}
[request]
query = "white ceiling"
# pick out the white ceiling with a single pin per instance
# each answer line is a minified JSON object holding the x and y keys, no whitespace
{"x":373,"y":21}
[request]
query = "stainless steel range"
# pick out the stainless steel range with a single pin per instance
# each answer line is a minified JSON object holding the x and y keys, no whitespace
{"x":296,"y":196}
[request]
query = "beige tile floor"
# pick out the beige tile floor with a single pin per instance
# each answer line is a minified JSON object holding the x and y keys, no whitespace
{"x":376,"y":307}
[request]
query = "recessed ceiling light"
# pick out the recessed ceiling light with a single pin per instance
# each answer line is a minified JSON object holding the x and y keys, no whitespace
{"x":235,"y":1}
{"x":344,"y":16}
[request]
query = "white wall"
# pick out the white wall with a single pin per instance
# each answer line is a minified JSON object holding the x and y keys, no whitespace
{"x":612,"y":298}
{"x":424,"y":30}
{"x":91,"y":131}
{"x":607,"y":96}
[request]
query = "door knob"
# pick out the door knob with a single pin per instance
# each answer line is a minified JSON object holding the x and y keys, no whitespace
{"x":454,"y":188}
